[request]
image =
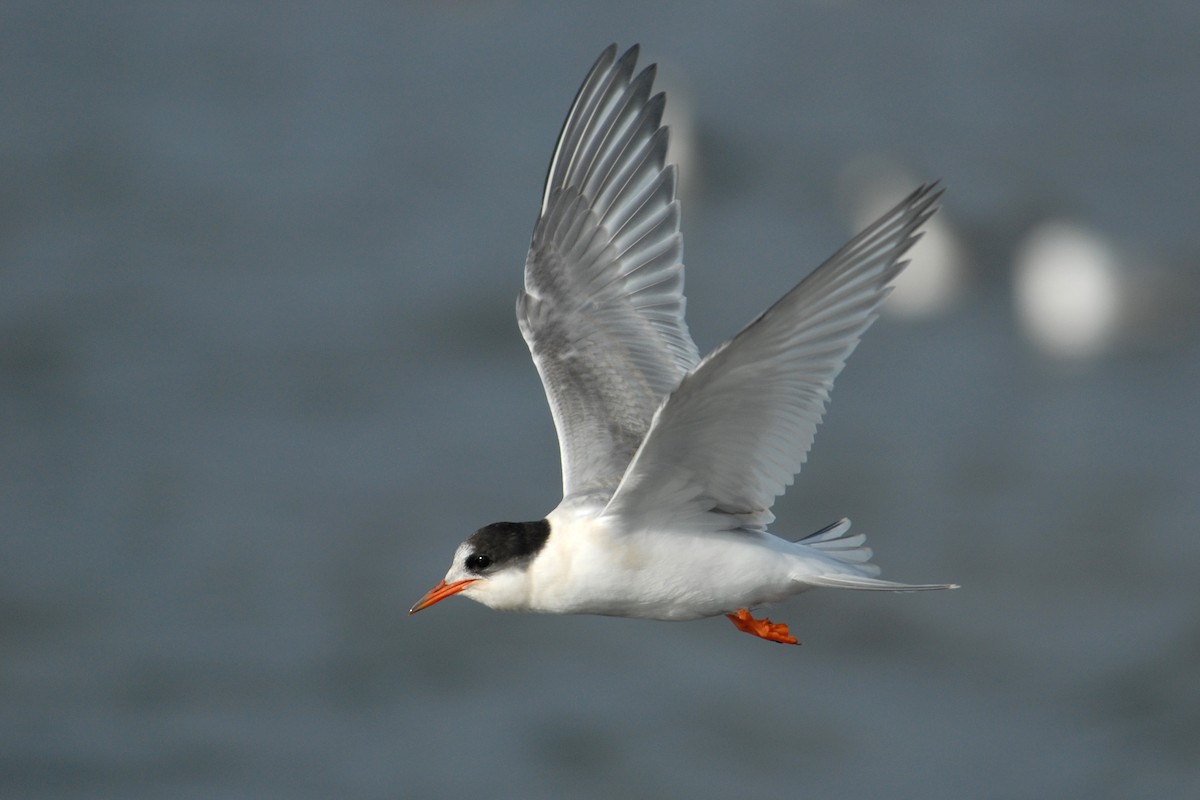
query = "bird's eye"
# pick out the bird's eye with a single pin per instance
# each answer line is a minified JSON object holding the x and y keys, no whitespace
{"x":478,"y":562}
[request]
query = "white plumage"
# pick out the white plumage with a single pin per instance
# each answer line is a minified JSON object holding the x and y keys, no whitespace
{"x":670,"y":463}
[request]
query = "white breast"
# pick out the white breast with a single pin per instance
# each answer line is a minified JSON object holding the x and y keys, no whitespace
{"x":587,"y":567}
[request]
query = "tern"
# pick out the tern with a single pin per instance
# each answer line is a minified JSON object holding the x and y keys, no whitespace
{"x":670,"y":462}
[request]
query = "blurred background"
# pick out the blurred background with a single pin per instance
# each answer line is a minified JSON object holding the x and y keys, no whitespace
{"x":260,"y":374}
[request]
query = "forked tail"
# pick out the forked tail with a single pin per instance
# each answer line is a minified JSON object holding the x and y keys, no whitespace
{"x":852,"y":552}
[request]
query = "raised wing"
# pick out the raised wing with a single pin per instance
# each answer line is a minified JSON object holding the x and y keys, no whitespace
{"x":602,"y":309}
{"x":732,"y":437}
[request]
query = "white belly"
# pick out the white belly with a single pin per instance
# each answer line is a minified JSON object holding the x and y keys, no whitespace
{"x":588,"y":569}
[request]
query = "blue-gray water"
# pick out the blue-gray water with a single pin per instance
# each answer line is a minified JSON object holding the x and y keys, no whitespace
{"x":259,"y":374}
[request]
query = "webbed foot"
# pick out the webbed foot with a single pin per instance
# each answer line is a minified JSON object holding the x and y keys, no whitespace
{"x":762,"y":628}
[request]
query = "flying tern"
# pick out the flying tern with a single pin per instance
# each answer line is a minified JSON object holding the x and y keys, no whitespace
{"x":670,"y":462}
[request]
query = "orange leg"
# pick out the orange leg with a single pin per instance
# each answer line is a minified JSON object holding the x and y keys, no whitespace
{"x":764,"y":628}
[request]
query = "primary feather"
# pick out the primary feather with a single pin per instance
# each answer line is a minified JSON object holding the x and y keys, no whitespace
{"x":602,"y":308}
{"x":738,"y":428}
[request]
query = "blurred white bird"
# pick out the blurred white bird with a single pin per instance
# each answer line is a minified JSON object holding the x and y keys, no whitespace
{"x":670,"y":463}
{"x":868,"y":186}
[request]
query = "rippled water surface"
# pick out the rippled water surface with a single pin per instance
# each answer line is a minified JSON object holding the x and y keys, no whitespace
{"x":259,"y":374}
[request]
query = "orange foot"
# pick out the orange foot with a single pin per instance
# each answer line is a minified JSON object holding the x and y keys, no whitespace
{"x":764,"y":628}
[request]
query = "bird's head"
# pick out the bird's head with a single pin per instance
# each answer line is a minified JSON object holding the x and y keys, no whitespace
{"x":492,"y":567}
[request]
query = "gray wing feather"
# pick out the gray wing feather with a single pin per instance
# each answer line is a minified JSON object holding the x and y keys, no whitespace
{"x":732,"y":436}
{"x":602,"y":308}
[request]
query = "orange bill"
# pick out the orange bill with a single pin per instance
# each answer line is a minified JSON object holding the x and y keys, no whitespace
{"x":439,"y":593}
